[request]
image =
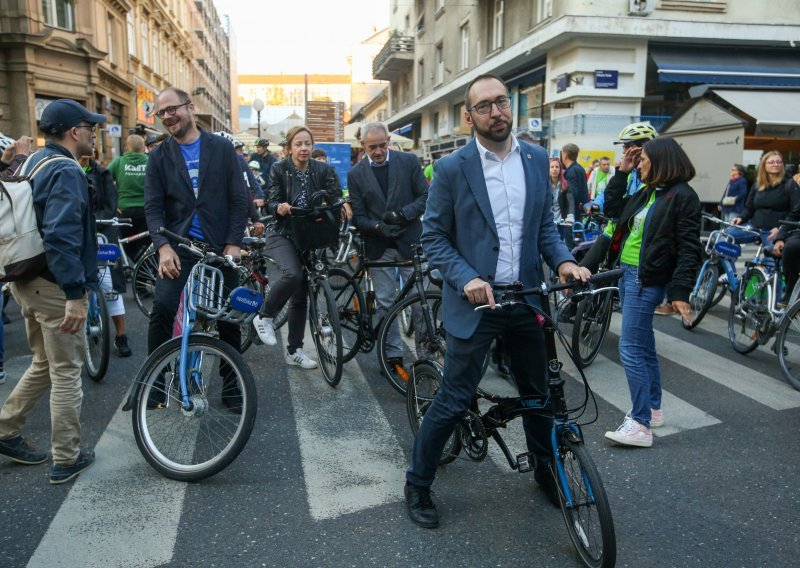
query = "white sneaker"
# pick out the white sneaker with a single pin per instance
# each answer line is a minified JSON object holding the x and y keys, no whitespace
{"x":300,"y":359}
{"x":656,"y":417}
{"x":265,"y":330}
{"x":631,"y":433}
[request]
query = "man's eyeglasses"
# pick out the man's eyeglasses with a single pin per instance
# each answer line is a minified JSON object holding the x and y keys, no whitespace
{"x":170,"y":110}
{"x":485,"y":107}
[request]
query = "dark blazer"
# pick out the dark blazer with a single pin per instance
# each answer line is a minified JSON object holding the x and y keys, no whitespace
{"x":408,"y":192}
{"x":283,"y":188}
{"x":221,"y":201}
{"x":460,"y":236}
{"x":578,"y":185}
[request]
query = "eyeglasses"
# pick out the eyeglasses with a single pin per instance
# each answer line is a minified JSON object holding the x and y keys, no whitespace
{"x":87,"y":126}
{"x":485,"y":107}
{"x":170,"y":110}
{"x":382,"y":146}
{"x":775,"y":163}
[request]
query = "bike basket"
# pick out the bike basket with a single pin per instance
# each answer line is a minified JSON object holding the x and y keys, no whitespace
{"x":206,"y":286}
{"x":316,"y":230}
{"x":107,"y":253}
{"x":720,"y":237}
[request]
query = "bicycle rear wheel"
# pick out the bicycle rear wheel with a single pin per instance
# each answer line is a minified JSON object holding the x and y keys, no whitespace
{"x":748,"y":308}
{"x":426,"y":343}
{"x":323,"y":318}
{"x":590,"y":326}
{"x":191,"y":445}
{"x":426,"y":380}
{"x":98,"y":337}
{"x":700,"y":302}
{"x":584,"y":504}
{"x":787,"y":345}
{"x":352,"y":311}
{"x":145,"y":274}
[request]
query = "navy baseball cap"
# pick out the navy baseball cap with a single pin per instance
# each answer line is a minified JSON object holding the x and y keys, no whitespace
{"x":63,"y":114}
{"x":262,"y":142}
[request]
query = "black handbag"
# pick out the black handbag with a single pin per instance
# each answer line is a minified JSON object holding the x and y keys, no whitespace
{"x":317,"y":229}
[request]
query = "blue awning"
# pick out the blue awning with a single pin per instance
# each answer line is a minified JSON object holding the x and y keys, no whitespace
{"x":403,"y":129}
{"x":732,"y":66}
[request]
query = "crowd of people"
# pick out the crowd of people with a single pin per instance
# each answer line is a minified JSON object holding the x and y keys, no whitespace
{"x":488,"y":216}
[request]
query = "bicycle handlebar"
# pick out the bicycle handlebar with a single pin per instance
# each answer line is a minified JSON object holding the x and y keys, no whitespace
{"x":115,"y":222}
{"x":303,"y":211}
{"x":207,"y":256}
{"x":710,"y":217}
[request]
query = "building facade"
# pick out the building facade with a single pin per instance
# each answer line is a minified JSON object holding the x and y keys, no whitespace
{"x":578,"y":70}
{"x":113,"y":56}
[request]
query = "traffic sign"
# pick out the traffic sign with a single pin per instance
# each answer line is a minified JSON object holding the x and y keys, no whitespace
{"x":114,"y":130}
{"x":535,"y":124}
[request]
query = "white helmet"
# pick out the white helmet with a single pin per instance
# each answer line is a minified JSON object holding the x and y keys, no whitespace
{"x":638,"y":131}
{"x":6,"y":142}
{"x":254,"y":165}
{"x":226,"y":135}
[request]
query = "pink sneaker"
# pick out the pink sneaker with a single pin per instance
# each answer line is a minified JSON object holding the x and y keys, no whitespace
{"x":631,"y":433}
{"x":656,"y":418}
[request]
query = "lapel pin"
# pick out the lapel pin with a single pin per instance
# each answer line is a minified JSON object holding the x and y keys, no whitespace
{"x":529,"y":156}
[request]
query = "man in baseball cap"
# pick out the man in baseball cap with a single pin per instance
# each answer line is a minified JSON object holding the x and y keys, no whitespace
{"x":263,"y":156}
{"x":63,"y":114}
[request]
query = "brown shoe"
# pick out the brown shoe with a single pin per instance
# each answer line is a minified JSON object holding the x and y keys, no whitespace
{"x":665,"y":310}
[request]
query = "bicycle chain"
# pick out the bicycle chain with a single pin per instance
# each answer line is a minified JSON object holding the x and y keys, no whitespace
{"x":473,"y":437}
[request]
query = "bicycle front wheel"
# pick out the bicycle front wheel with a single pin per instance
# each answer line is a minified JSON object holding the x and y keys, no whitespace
{"x":98,"y":338}
{"x":194,"y":444}
{"x":590,"y":326}
{"x":423,"y":344}
{"x":426,"y":380}
{"x":323,"y":318}
{"x":787,"y":345}
{"x":701,"y":302}
{"x":352,"y":311}
{"x":748,"y":308}
{"x":584,"y":504}
{"x":145,"y":274}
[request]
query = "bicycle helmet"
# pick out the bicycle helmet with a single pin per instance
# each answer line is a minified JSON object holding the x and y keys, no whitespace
{"x":254,"y":165}
{"x":226,"y":135}
{"x":238,"y":144}
{"x":635,"y":132}
{"x":6,"y":142}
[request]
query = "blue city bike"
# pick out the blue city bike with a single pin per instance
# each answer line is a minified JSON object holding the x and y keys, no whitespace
{"x":194,"y":399}
{"x":584,"y":505}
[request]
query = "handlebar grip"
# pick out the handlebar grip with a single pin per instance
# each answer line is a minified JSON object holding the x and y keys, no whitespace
{"x":173,"y":237}
{"x":789,"y":222}
{"x":124,"y":220}
{"x":606,"y":277}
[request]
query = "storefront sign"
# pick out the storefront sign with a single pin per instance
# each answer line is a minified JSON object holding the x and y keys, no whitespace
{"x":606,"y":79}
{"x":145,"y":104}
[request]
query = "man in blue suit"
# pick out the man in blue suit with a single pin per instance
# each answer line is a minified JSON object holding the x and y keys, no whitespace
{"x":487,"y":225}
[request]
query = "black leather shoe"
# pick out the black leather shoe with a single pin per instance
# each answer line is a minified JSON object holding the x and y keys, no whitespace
{"x":420,"y":507}
{"x":121,"y":343}
{"x":545,"y":480}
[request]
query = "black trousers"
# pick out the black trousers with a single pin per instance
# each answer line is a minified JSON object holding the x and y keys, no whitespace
{"x":165,"y":306}
{"x":293,"y":284}
{"x":791,"y":264}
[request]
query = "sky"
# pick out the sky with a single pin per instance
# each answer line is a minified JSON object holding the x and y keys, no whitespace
{"x":305,"y":36}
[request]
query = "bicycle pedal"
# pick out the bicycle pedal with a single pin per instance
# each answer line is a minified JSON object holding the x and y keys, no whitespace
{"x":526,"y":462}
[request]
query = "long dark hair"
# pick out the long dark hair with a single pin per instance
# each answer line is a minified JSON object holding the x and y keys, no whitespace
{"x":669,"y":164}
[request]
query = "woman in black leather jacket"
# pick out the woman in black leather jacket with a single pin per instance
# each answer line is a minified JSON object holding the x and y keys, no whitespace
{"x":657,"y":242}
{"x":292,"y":183}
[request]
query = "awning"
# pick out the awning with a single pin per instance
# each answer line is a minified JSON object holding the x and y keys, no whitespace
{"x":776,"y":113}
{"x":727,"y":67}
{"x":403,"y":129}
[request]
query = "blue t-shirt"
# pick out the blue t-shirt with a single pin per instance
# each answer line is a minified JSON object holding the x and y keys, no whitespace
{"x":191,"y":155}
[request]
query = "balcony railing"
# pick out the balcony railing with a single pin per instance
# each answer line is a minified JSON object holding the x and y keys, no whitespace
{"x":394,"y":58}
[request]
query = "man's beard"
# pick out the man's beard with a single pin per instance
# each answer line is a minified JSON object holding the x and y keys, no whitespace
{"x":183,"y":129}
{"x":495,"y":135}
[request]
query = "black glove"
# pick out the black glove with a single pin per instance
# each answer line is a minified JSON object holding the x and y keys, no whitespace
{"x":390,"y":231}
{"x":395,"y":218}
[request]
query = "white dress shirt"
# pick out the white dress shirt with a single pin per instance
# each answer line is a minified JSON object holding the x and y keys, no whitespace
{"x":505,"y":182}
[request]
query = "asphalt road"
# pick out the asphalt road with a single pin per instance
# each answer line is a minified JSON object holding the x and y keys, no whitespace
{"x":320,"y":481}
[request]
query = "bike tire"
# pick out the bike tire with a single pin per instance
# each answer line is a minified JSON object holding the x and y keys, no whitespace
{"x":145,"y":276}
{"x":323,"y":316}
{"x":432,"y":342}
{"x":421,"y":389}
{"x":744,"y":315}
{"x":584,"y":504}
{"x":787,"y":345}
{"x":590,"y":326}
{"x":176,"y":443}
{"x":98,"y":337}
{"x":701,"y":302}
{"x":352,"y":311}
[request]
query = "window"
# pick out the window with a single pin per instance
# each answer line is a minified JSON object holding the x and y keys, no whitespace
{"x":131,"y":34}
{"x":145,"y":35}
{"x":165,"y":56}
{"x":420,"y":77}
{"x":439,"y":8}
{"x":59,"y":13}
{"x":155,"y":51}
{"x":110,"y":38}
{"x":464,"y":47}
{"x":439,"y":64}
{"x":497,"y":24}
{"x":540,"y":10}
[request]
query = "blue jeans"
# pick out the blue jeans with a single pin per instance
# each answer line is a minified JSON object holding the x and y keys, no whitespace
{"x":637,"y":344}
{"x":743,"y":237}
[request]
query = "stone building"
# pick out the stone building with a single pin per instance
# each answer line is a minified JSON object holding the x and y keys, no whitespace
{"x":112,"y":56}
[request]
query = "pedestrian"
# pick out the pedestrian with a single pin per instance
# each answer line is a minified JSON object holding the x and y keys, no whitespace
{"x":206,"y":202}
{"x":129,"y":172}
{"x":489,"y":201}
{"x":388,"y":192}
{"x":153,"y":141}
{"x":54,"y":303}
{"x":732,"y":203}
{"x":575,"y":176}
{"x":563,"y":203}
{"x":657,"y":243}
{"x":112,"y":279}
{"x":598,"y":179}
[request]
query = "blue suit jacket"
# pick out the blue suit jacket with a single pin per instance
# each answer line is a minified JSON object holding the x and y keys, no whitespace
{"x":460,"y":236}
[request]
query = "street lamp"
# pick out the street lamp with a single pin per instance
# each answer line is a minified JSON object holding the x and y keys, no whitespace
{"x":258,"y":104}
